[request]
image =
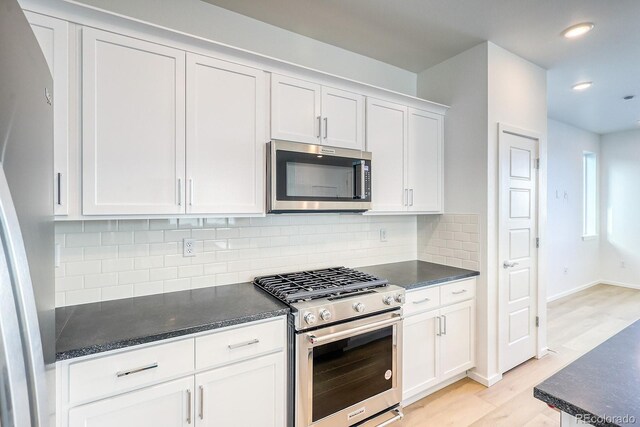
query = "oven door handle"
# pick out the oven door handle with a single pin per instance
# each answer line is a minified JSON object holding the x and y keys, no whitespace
{"x":313,"y":339}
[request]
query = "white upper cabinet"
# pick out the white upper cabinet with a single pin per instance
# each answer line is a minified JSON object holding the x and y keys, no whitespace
{"x":342,"y":118}
{"x":133,"y":115}
{"x":308,"y":112}
{"x":386,"y":139}
{"x":53,"y":37}
{"x":406,"y":145}
{"x":226,"y":137}
{"x":424,"y":161}
{"x":295,"y":110}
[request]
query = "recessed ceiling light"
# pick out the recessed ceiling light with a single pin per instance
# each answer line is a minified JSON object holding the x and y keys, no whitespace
{"x":581,"y":86}
{"x":578,"y":30}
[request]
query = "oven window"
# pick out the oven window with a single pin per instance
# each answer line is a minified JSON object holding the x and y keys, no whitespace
{"x":351,"y":370}
{"x":312,"y":177}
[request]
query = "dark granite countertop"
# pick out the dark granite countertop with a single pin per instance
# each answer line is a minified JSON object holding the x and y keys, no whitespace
{"x":417,"y":274}
{"x":97,"y":327}
{"x":603,"y":384}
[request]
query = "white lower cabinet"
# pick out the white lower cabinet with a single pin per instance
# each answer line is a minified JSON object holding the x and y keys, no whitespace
{"x":240,"y":382}
{"x":243,"y":394}
{"x":165,"y":405}
{"x":438,"y":343}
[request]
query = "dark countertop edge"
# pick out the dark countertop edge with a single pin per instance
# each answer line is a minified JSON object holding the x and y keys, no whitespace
{"x":439,"y":281}
{"x":569,"y":408}
{"x":101,"y":348}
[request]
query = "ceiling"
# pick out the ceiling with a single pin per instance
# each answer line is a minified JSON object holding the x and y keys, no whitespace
{"x":417,"y":34}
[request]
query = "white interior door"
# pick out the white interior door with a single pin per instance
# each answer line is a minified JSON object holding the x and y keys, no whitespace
{"x":343,"y":118}
{"x":226,"y":137}
{"x":518,"y":281}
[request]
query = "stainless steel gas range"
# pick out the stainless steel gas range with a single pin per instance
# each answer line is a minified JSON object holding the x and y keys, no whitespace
{"x":345,"y":346}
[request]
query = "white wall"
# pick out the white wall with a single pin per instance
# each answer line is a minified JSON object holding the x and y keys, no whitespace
{"x":202,"y":19}
{"x":461,"y":82}
{"x":620,"y":207}
{"x":566,"y":249}
{"x":485,"y":85}
{"x":105,"y":260}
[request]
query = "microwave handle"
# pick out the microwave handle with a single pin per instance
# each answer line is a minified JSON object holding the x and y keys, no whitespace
{"x":363,"y":189}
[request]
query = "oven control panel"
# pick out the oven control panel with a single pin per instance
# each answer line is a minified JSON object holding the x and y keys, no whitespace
{"x":324,"y":311}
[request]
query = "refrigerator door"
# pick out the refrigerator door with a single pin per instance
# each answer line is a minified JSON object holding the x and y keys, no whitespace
{"x":14,"y":391}
{"x":26,"y":202}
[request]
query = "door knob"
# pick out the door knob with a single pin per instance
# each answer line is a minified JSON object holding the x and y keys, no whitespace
{"x":509,"y":264}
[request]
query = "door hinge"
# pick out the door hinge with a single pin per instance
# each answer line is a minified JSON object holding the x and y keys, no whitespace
{"x":537,"y":164}
{"x":537,"y":242}
{"x":537,"y":321}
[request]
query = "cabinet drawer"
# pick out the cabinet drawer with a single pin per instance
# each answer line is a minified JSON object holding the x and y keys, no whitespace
{"x":421,"y":300}
{"x":239,"y":343}
{"x":457,"y":291}
{"x":114,"y":374}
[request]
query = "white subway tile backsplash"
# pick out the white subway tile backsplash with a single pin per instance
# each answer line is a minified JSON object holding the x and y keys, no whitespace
{"x":145,"y":236}
{"x":76,"y":240}
{"x":77,"y":268}
{"x":118,"y":259}
{"x":117,"y":292}
{"x":135,"y":276}
{"x":117,"y":238}
{"x":120,"y":264}
{"x":451,"y":239}
{"x":100,"y":280}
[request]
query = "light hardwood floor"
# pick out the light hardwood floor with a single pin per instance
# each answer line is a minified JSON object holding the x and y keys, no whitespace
{"x":576,"y":324}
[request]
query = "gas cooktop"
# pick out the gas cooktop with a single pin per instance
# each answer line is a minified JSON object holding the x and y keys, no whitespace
{"x":319,"y":297}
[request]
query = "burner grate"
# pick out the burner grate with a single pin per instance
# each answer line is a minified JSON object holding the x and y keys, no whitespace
{"x":305,"y":285}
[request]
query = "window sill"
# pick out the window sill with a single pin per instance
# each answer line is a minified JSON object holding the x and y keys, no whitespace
{"x":590,"y":237}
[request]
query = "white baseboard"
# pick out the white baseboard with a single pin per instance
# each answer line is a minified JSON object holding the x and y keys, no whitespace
{"x":573,"y":291}
{"x":485,"y":381}
{"x":621,"y":284}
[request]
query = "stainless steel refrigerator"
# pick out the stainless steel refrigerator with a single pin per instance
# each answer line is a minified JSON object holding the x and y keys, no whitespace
{"x":27,"y":298}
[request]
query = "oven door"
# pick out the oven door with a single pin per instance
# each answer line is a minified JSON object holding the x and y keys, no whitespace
{"x":305,"y":177}
{"x":349,"y":372}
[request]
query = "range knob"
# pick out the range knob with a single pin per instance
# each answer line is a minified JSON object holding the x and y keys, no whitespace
{"x":310,"y":318}
{"x":400,"y":298}
{"x":388,"y":300}
{"x":325,"y":314}
{"x":359,"y":307}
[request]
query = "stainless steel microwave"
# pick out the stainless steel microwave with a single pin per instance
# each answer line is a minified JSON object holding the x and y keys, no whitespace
{"x":317,"y":178}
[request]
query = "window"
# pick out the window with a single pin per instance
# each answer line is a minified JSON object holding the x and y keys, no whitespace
{"x":590,"y":195}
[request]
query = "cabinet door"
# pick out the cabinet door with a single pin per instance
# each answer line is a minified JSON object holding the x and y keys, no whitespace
{"x":457,"y":346}
{"x":133,"y":110}
{"x":424,"y":161}
{"x":53,"y":37}
{"x":386,"y":139}
{"x":250,"y":393}
{"x":295,"y":110}
{"x":342,"y":118}
{"x":165,"y":405}
{"x":420,"y":355}
{"x":226,"y":137}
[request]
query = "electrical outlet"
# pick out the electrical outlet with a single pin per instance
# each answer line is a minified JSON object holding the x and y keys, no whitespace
{"x":383,"y":234}
{"x":189,"y":247}
{"x":566,"y":270}
{"x":622,"y":264}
